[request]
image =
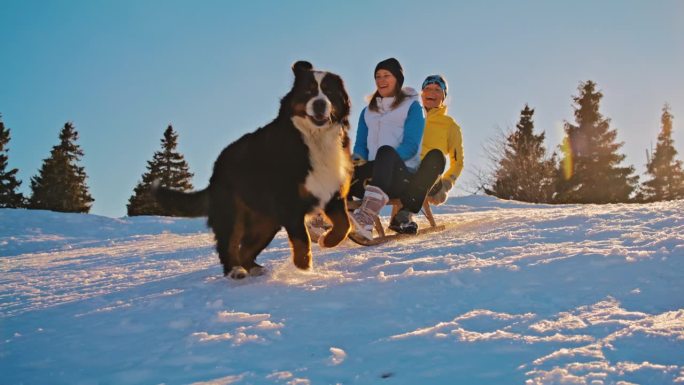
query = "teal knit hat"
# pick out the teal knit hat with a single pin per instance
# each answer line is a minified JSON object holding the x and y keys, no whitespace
{"x":436,"y":79}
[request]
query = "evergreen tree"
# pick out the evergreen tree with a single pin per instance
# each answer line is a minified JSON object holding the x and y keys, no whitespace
{"x":9,"y":197}
{"x":61,"y":183}
{"x":524,"y":172}
{"x":667,"y":182}
{"x":590,"y":171}
{"x":170,"y":169}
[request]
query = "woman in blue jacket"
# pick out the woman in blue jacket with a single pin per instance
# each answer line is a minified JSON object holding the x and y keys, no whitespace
{"x":386,"y":155}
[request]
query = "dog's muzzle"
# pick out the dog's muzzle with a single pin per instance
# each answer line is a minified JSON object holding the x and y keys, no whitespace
{"x":319,"y":111}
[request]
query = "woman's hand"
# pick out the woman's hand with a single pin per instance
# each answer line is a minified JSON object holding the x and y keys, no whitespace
{"x":440,"y":191}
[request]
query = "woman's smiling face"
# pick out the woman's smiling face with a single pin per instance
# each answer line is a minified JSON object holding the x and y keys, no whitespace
{"x":433,"y":96}
{"x":385,"y":83}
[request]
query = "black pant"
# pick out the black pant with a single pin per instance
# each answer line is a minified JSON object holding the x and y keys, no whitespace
{"x":389,"y":173}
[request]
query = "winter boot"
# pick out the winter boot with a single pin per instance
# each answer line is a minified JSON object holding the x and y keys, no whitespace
{"x":317,"y":226}
{"x":363,"y":218}
{"x":402,"y":223}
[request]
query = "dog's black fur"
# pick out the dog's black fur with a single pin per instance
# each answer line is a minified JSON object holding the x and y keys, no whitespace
{"x":273,"y":177}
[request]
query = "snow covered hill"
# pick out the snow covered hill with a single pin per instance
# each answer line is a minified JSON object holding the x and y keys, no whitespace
{"x":510,"y":293}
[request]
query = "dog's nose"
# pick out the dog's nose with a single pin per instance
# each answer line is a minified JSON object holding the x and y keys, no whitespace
{"x":319,"y":106}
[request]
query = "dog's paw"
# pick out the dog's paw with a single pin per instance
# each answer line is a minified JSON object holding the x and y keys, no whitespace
{"x":303,"y":261}
{"x":329,"y":239}
{"x":238,"y":272}
{"x":332,"y":238}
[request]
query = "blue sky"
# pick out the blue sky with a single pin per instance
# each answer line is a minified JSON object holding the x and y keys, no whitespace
{"x":123,"y":70}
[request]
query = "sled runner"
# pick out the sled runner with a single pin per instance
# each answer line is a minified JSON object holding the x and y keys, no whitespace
{"x":381,"y":236}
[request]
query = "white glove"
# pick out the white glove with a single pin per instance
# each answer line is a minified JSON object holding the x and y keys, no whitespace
{"x":440,"y":191}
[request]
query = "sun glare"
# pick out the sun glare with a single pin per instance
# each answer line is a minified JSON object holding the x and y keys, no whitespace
{"x":567,"y":159}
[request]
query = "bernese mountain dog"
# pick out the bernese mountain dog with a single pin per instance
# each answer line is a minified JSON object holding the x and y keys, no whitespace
{"x":273,"y":177}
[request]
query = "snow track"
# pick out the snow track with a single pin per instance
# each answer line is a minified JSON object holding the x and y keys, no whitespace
{"x":508,"y":293}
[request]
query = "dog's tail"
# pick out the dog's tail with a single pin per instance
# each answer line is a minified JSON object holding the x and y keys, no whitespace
{"x":182,"y":204}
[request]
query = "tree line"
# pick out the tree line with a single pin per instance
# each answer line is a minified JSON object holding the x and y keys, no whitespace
{"x":588,"y":169}
{"x":61,"y":183}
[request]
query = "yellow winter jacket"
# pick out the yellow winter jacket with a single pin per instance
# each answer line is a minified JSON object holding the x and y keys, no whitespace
{"x":442,"y":132}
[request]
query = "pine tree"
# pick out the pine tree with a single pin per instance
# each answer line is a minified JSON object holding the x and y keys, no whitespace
{"x":590,"y":171}
{"x":524,"y":172}
{"x":667,"y":182}
{"x":167,"y":166}
{"x":61,"y":183}
{"x":9,"y":197}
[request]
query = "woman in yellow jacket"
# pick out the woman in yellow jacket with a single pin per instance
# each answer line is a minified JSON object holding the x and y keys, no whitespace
{"x":441,"y":139}
{"x":442,"y":133}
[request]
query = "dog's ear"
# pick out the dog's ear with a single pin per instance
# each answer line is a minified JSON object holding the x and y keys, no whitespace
{"x":341,"y":101}
{"x":301,"y":66}
{"x":345,"y":98}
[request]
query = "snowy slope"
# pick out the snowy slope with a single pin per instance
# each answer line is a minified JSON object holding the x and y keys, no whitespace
{"x":510,"y":293}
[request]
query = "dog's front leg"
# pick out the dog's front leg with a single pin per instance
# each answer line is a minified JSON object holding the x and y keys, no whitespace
{"x":336,"y":211}
{"x":299,"y":242}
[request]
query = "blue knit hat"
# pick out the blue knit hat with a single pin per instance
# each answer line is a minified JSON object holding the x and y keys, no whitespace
{"x":436,"y":79}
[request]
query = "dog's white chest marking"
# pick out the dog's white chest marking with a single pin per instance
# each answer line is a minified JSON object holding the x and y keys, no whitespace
{"x":330,"y":164}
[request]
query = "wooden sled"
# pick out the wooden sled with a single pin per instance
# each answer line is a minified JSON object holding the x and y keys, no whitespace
{"x":381,"y":236}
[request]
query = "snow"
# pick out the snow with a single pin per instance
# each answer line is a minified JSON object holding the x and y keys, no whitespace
{"x":508,"y":293}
